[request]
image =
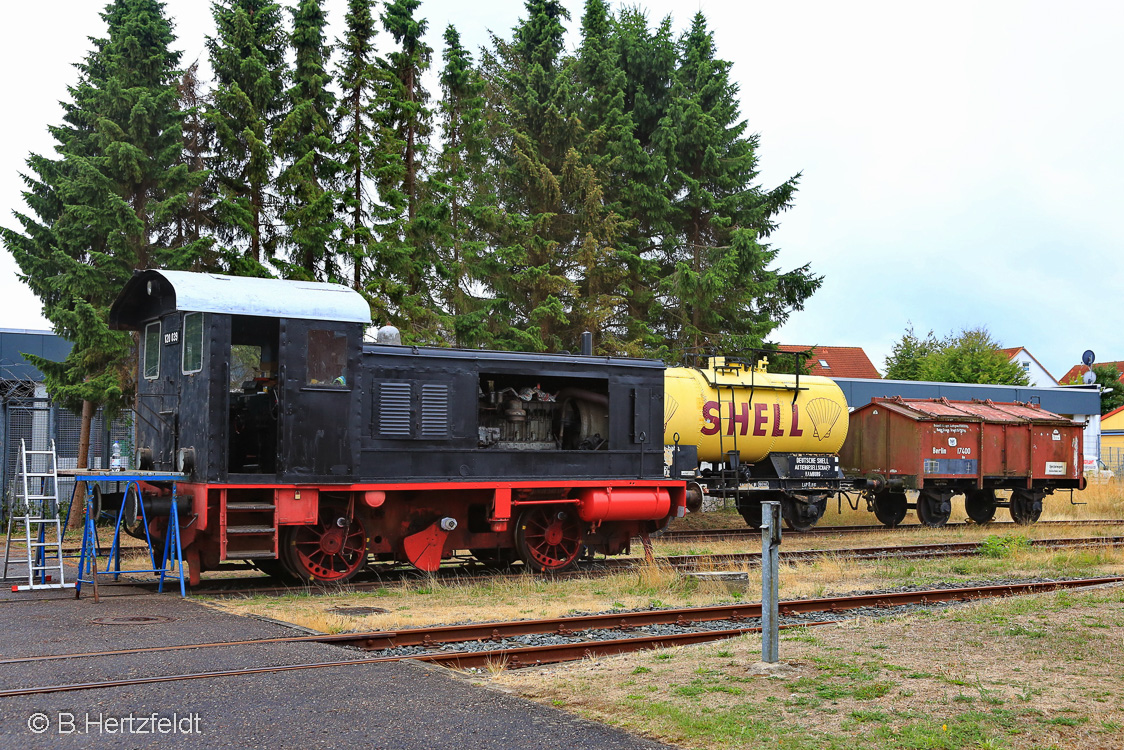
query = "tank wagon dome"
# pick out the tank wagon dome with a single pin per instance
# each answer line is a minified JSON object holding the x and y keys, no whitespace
{"x":153,"y":293}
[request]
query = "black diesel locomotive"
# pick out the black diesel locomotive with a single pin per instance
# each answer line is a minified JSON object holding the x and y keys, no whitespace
{"x":307,"y":451}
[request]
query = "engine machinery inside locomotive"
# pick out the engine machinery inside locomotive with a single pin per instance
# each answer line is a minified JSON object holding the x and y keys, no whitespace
{"x":516,"y":415}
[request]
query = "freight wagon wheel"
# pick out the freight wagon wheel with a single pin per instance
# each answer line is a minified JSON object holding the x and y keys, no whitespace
{"x":890,"y":508}
{"x":548,"y":538}
{"x":933,"y":509}
{"x":1025,"y":507}
{"x":980,"y":505}
{"x":330,"y":550}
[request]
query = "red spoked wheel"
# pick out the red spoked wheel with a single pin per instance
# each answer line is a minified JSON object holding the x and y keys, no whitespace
{"x":549,"y":538}
{"x":332,"y":550}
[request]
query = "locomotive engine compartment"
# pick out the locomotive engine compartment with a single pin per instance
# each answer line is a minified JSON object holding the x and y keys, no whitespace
{"x":546,"y":415}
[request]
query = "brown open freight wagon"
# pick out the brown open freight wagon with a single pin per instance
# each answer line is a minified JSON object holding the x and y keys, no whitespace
{"x":943,"y":448}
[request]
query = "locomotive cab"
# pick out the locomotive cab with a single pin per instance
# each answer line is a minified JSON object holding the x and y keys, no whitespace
{"x":222,"y":361}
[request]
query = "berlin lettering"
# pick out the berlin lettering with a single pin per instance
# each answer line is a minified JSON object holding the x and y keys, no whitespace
{"x":741,"y":415}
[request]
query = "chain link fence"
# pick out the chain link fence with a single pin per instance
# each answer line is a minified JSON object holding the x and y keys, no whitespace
{"x":36,"y":421}
{"x":1113,"y":459}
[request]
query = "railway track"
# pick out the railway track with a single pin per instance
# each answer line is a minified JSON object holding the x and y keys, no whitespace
{"x":576,"y":634}
{"x":262,"y":586}
{"x":714,"y":535}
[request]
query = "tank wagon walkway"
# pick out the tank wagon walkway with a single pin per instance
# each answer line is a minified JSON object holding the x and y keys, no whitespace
{"x":384,"y":705}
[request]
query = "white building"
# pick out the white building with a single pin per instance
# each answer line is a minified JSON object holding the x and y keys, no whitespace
{"x":1035,"y":372}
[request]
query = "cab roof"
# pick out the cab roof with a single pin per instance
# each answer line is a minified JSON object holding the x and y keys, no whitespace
{"x":151,"y":294}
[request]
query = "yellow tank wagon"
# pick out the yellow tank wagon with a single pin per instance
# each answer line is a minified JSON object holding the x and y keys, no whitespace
{"x":765,"y":436}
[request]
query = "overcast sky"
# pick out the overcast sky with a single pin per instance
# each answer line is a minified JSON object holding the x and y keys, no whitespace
{"x":962,"y":161}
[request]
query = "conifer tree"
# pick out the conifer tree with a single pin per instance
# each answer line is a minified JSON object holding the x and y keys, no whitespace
{"x":407,"y":259}
{"x":453,"y":194}
{"x":551,"y":228}
{"x":248,"y":58}
{"x":720,"y":290}
{"x":611,"y":148}
{"x":307,"y":183}
{"x":189,"y":237}
{"x":356,"y":116}
{"x":118,"y":179}
{"x":647,"y":58}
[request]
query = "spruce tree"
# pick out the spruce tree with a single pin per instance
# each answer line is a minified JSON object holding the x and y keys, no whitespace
{"x":551,"y":230}
{"x":189,"y":236}
{"x":94,"y":211}
{"x":453,"y":194}
{"x":720,"y":289}
{"x":408,"y":264}
{"x":621,"y":166}
{"x":248,"y":59}
{"x":356,"y":146}
{"x":647,"y":59}
{"x":307,"y":183}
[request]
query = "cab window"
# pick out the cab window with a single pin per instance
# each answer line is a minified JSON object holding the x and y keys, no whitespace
{"x":192,"y":343}
{"x":327,"y":358}
{"x":152,"y":351}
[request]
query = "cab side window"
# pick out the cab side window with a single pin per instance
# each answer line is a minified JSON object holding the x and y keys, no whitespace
{"x":327,"y":358}
{"x":192,"y":343}
{"x":152,"y":351}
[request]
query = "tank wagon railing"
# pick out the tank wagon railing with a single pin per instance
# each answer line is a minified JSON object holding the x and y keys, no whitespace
{"x":731,"y":474}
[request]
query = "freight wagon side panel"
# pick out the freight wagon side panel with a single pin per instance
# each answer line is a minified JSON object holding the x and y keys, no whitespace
{"x":1057,"y":452}
{"x":949,"y":450}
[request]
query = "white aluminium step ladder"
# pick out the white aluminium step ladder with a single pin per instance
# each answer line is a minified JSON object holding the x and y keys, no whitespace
{"x":35,"y":507}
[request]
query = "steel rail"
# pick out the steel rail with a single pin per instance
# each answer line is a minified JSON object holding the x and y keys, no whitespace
{"x":560,"y":652}
{"x":914,"y":551}
{"x":218,"y":587}
{"x":571,"y":624}
{"x":698,"y":535}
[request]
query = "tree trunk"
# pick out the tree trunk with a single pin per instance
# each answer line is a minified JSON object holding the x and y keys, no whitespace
{"x":88,"y":410}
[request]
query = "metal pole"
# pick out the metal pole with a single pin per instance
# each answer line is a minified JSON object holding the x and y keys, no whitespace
{"x":770,"y":579}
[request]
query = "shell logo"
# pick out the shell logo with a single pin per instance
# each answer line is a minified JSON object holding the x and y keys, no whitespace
{"x":824,"y":414}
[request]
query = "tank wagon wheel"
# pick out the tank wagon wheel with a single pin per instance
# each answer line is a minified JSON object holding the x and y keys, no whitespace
{"x":801,"y":516}
{"x":1025,"y":508}
{"x":751,"y":512}
{"x":331,"y":550}
{"x":933,"y":510}
{"x":890,"y":508}
{"x":980,"y":505}
{"x":548,"y":538}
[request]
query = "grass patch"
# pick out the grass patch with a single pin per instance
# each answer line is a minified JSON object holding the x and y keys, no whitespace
{"x":1004,"y":546}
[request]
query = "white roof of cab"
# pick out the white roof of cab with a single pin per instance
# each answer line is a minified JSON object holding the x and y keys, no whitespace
{"x":246,"y":295}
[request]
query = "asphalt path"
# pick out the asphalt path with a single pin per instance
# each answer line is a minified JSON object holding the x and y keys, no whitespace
{"x":386,"y":705}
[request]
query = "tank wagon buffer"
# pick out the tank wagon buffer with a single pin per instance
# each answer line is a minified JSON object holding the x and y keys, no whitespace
{"x":940,"y":448}
{"x":309,"y":453}
{"x":739,"y":432}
